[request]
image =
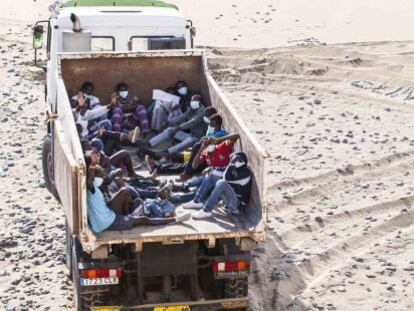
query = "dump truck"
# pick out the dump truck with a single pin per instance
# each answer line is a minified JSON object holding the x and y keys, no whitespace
{"x":196,"y":265}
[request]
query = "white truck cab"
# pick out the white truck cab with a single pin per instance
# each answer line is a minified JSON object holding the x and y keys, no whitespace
{"x":109,"y":26}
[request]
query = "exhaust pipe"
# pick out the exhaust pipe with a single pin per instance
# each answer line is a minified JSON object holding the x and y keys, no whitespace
{"x":76,"y":23}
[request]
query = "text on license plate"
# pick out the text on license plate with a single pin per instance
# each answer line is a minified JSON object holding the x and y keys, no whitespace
{"x":172,"y":308}
{"x":99,"y":281}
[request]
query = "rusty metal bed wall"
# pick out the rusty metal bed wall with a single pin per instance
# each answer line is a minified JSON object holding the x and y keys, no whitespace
{"x":142,"y":72}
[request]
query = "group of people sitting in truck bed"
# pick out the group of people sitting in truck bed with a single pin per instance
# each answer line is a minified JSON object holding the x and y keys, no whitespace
{"x":176,"y":134}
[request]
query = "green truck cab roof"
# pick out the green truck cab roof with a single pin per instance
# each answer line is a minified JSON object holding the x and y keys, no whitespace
{"x":140,"y":3}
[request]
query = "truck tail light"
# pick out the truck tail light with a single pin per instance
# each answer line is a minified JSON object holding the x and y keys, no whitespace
{"x":227,"y":266}
{"x":101,"y":273}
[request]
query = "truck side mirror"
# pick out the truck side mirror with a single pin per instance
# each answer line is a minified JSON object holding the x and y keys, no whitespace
{"x":38,"y":37}
{"x":193,"y":31}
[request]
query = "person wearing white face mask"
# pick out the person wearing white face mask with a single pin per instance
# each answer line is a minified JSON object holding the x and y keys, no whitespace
{"x":129,"y":112}
{"x":187,"y":128}
{"x":183,"y":91}
{"x":233,"y":189}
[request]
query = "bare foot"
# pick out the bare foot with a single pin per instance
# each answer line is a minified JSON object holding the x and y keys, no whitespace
{"x":150,"y":163}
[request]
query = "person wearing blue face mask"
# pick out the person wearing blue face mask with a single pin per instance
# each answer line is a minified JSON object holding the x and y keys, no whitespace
{"x":215,"y":128}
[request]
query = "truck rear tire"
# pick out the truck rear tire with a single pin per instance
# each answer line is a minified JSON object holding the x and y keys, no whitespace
{"x":236,"y":288}
{"x":77,"y":297}
{"x":47,"y":164}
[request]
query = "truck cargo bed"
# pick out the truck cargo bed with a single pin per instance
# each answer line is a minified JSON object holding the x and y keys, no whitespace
{"x":219,"y":226}
{"x":162,"y":69}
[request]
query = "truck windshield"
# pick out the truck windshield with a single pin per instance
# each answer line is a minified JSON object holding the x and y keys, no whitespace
{"x":156,"y":43}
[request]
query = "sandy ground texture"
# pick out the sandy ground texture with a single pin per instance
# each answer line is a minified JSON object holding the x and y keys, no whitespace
{"x":336,"y":122}
{"x":32,"y":250}
{"x":335,"y":119}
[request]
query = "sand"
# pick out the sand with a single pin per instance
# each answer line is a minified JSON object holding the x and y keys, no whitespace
{"x":335,"y":120}
{"x":340,"y":167}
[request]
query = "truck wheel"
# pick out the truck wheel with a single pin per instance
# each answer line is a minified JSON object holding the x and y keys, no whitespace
{"x":235,"y":288}
{"x":77,"y":297}
{"x":47,"y":164}
{"x":69,"y":249}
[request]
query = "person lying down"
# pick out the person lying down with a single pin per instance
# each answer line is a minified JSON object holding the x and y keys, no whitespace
{"x":118,"y":213}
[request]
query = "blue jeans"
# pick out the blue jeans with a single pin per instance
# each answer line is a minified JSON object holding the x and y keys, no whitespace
{"x":93,"y":130}
{"x":185,"y":140}
{"x":182,"y":198}
{"x":206,"y":187}
{"x":193,"y":182}
{"x":152,"y":193}
{"x":136,"y":192}
{"x":222,"y":191}
{"x":158,"y":208}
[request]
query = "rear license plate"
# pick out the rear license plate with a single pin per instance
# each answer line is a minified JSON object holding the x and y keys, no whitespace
{"x":99,"y":281}
{"x":172,"y":308}
{"x":230,"y":274}
{"x":105,"y":308}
